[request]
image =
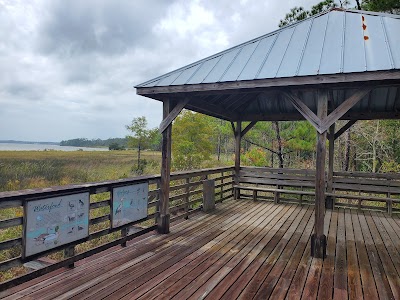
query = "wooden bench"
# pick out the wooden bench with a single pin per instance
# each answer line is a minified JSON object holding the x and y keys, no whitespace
{"x":356,"y":186}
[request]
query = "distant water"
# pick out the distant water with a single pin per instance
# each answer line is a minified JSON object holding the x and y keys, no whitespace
{"x":43,"y":147}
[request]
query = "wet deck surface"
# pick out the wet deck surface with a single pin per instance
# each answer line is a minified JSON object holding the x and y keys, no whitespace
{"x":246,"y":250}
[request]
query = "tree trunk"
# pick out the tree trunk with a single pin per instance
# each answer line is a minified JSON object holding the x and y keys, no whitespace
{"x":278,"y":138}
{"x":358,"y":4}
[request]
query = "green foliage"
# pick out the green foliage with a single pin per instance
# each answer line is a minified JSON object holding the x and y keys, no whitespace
{"x":191,"y":140}
{"x":142,"y":138}
{"x":115,"y":146}
{"x":255,"y":157}
{"x":299,"y":13}
{"x":140,"y":134}
{"x":389,"y":6}
{"x":295,"y":14}
{"x":83,"y":142}
{"x":303,"y":137}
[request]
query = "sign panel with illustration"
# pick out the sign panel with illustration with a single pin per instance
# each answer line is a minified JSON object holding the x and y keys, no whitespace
{"x":52,"y":222}
{"x":129,"y":204}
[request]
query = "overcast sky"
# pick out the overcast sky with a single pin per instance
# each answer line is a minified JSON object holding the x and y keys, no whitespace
{"x":68,"y":67}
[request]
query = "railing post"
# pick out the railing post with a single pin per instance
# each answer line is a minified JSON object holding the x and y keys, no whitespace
{"x":221,"y":193}
{"x":208,"y":195}
{"x":70,"y":252}
{"x":124,"y":233}
{"x":238,"y":138}
{"x":187,"y":190}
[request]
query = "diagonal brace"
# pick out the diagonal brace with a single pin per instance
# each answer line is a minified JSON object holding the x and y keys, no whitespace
{"x":248,"y":127}
{"x":173,"y":114}
{"x":305,"y":111}
{"x":343,"y":108}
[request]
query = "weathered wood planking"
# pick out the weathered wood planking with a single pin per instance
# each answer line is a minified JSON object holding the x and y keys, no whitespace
{"x":245,"y":249}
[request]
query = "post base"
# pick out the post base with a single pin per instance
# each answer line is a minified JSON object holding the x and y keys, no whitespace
{"x":163,"y":224}
{"x":329,"y":202}
{"x":318,"y":246}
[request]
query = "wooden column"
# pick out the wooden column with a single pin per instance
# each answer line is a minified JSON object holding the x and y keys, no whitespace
{"x":163,"y":216}
{"x":318,"y":239}
{"x":238,"y":138}
{"x":330,"y":200}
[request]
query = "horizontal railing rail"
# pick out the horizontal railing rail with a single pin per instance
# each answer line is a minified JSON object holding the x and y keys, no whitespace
{"x":350,"y":189}
{"x":185,"y":199}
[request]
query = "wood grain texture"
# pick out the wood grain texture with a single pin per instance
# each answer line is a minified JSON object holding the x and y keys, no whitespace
{"x":243,"y":249}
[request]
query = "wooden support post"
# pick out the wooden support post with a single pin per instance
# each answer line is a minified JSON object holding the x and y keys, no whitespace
{"x":187,"y":190}
{"x":124,"y":233}
{"x":70,"y":252}
{"x":330,"y":201}
{"x":318,"y":239}
{"x":208,"y":195}
{"x":164,"y":217}
{"x":238,"y":137}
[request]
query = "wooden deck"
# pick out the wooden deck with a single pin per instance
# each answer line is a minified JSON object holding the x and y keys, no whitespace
{"x":246,"y":250}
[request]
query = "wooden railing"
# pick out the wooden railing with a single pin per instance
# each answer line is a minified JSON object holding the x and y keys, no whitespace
{"x":186,"y":197}
{"x":349,"y":189}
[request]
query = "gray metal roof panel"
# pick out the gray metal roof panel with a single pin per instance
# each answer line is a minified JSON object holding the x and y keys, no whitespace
{"x":392,"y":27}
{"x":329,"y":43}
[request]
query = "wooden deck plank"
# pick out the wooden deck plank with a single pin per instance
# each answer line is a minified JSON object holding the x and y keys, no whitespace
{"x":246,"y":250}
{"x":189,"y":263}
{"x":385,"y":257}
{"x":314,"y":273}
{"x":367,"y":278}
{"x":270,"y":281}
{"x":328,"y":270}
{"x":353,"y":271}
{"x":283,"y":284}
{"x":205,"y":281}
{"x":111,"y":259}
{"x":340,"y":277}
{"x":236,"y":270}
{"x":158,"y":243}
{"x":381,"y":280}
{"x":386,"y":233}
{"x":186,"y":281}
{"x":239,"y":235}
{"x":176,"y":250}
{"x":275,"y":235}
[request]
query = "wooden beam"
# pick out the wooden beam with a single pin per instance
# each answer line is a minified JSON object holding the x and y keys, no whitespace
{"x":329,"y":200}
{"x":316,"y":80}
{"x":304,"y":110}
{"x":344,"y":128}
{"x":248,"y":127}
{"x":213,"y":109}
{"x":173,"y":114}
{"x":343,"y":108}
{"x":163,"y":219}
{"x":238,"y":139}
{"x":318,"y":239}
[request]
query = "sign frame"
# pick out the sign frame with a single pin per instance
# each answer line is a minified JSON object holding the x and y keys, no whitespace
{"x":113,"y":204}
{"x":86,"y":209}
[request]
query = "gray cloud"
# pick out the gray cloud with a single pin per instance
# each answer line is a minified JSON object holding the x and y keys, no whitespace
{"x":98,"y":26}
{"x":68,"y":67}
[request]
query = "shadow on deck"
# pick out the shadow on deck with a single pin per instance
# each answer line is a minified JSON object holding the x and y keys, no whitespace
{"x":243,"y":249}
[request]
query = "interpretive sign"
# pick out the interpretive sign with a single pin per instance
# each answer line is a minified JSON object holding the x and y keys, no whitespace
{"x":52,"y":222}
{"x":129,"y":204}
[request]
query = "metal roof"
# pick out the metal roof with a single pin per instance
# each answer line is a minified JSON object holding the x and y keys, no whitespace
{"x":333,"y":42}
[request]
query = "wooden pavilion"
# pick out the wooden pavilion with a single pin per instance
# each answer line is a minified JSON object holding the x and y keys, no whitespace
{"x":338,"y":65}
